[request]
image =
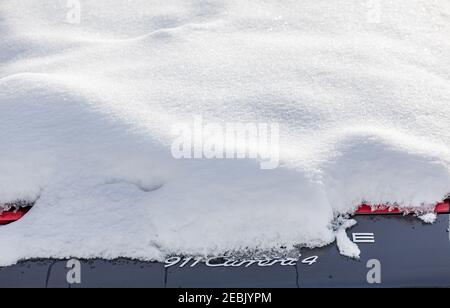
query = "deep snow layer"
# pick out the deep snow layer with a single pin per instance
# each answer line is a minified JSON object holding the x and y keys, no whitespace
{"x":360,"y":89}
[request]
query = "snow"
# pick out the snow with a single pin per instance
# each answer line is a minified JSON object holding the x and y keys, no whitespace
{"x":428,"y":218}
{"x":345,"y":245}
{"x":87,"y":110}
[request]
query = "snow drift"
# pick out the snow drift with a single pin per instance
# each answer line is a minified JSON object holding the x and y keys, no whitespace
{"x":86,"y":111}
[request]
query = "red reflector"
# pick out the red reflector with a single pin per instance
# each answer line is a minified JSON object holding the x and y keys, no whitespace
{"x":11,"y":216}
{"x":365,"y":209}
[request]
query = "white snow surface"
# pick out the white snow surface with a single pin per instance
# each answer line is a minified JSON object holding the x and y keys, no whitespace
{"x":428,"y":218}
{"x":345,"y":245}
{"x":86,"y":112}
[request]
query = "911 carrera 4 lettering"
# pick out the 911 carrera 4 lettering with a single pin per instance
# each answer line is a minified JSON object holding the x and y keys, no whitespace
{"x":227,"y":262}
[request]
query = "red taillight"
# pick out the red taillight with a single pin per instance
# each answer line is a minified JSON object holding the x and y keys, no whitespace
{"x":12,"y":216}
{"x":365,"y":209}
{"x":443,"y":208}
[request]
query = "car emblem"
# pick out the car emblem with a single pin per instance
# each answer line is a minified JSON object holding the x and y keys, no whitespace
{"x":363,"y":237}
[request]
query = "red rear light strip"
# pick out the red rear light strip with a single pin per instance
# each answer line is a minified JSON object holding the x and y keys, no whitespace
{"x":11,"y":216}
{"x":365,"y":209}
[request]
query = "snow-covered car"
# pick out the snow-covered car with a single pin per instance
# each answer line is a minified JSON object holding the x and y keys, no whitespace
{"x":397,"y":250}
{"x":224,"y":143}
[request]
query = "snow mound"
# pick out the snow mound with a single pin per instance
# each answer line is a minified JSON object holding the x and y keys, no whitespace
{"x":428,"y":218}
{"x":345,"y":245}
{"x":86,"y":111}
